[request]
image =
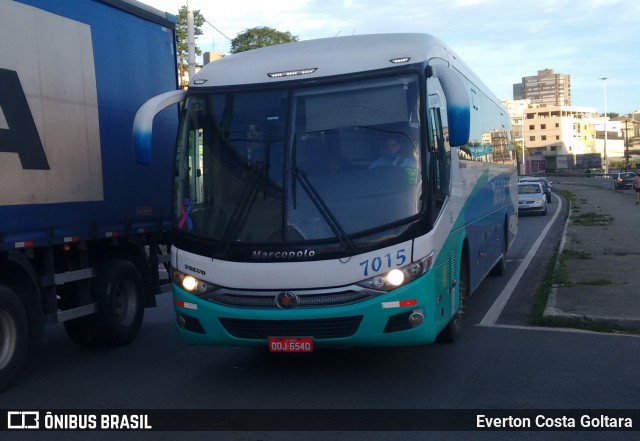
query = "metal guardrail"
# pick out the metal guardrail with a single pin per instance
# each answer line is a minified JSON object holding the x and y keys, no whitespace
{"x":579,"y":174}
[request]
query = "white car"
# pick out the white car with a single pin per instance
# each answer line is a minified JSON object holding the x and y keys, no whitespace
{"x":531,"y":198}
{"x":546,"y":184}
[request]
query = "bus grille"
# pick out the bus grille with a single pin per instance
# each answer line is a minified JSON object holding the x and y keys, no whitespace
{"x":304,"y":301}
{"x":316,"y":328}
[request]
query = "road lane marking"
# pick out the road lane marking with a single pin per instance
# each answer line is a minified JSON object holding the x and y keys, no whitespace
{"x":494,"y":312}
{"x":565,"y":330}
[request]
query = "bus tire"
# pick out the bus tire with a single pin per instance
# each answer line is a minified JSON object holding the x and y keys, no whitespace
{"x":453,"y":329}
{"x":119,"y":295}
{"x":14,"y":336}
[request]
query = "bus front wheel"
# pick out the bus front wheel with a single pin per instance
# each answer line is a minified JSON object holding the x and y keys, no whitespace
{"x":452,"y":330}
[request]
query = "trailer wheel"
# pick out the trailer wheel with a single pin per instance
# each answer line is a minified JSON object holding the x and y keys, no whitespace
{"x":80,"y":331}
{"x":119,"y":295}
{"x":14,"y":336}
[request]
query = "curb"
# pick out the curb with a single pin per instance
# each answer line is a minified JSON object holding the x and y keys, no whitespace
{"x":551,"y":311}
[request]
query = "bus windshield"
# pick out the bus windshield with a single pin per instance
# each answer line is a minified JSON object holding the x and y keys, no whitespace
{"x":332,"y":163}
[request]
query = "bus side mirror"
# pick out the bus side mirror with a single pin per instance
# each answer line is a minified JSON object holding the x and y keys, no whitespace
{"x":458,"y":110}
{"x":143,"y":123}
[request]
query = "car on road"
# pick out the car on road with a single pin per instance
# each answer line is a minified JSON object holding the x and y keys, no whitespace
{"x":623,"y":180}
{"x":531,"y":198}
{"x":546,"y":184}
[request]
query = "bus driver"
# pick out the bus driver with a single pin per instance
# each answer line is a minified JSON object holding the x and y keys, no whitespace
{"x":392,"y":156}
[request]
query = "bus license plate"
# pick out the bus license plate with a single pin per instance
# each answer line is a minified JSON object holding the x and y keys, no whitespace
{"x":290,"y":344}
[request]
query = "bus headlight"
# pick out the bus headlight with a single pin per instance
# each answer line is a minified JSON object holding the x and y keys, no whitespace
{"x":399,"y":276}
{"x":395,"y":277}
{"x":192,"y":284}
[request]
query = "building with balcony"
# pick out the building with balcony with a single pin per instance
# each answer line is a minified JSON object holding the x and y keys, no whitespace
{"x":546,"y":88}
{"x":559,"y":130}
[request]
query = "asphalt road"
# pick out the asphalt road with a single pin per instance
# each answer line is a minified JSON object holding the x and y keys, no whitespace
{"x":497,"y":364}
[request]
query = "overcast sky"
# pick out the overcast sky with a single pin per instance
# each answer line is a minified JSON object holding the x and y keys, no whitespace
{"x":501,"y":40}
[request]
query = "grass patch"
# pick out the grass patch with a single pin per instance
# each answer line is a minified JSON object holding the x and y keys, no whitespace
{"x":570,"y":197}
{"x":592,"y":219}
{"x":575,"y":254}
{"x":542,"y":294}
{"x":560,"y":274}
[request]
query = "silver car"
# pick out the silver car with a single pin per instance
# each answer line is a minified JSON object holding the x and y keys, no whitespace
{"x":546,"y":184}
{"x":531,"y":198}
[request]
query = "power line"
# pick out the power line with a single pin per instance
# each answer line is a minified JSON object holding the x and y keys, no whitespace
{"x":218,"y":30}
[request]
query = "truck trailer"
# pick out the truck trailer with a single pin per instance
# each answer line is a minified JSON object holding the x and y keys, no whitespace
{"x":84,"y":229}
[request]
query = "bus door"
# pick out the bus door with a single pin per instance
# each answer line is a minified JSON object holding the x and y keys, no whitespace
{"x":439,"y":166}
{"x":439,"y":157}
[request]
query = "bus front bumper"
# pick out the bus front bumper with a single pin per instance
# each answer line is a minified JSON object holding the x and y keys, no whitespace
{"x":410,"y":315}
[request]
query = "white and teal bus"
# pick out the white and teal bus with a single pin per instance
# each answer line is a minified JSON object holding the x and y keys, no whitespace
{"x":349,"y":191}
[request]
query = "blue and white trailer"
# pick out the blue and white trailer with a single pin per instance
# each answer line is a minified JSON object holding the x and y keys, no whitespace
{"x":83,"y":227}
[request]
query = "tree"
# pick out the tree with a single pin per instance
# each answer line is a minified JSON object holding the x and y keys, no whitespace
{"x":182,"y":45}
{"x":260,"y":36}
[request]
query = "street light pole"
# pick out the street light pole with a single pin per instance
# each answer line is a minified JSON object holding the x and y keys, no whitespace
{"x":524,"y":151}
{"x":191,"y":43}
{"x":606,"y":161}
{"x":626,"y":144}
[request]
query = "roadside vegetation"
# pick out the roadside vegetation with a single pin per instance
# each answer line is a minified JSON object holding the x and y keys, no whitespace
{"x":592,"y":219}
{"x":556,"y":274}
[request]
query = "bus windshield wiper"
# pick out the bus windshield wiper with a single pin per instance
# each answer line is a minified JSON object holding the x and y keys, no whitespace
{"x":325,"y":211}
{"x":243,"y":208}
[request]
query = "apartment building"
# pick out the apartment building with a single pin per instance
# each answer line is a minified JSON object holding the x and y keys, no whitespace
{"x":546,"y":88}
{"x":559,"y":130}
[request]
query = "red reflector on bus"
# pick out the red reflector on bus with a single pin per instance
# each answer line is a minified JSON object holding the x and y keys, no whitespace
{"x":186,"y":305}
{"x":399,"y":304}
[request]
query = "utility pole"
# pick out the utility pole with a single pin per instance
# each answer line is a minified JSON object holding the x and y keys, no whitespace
{"x":524,"y":161}
{"x":606,"y":161}
{"x":626,"y":144}
{"x":191,"y":43}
